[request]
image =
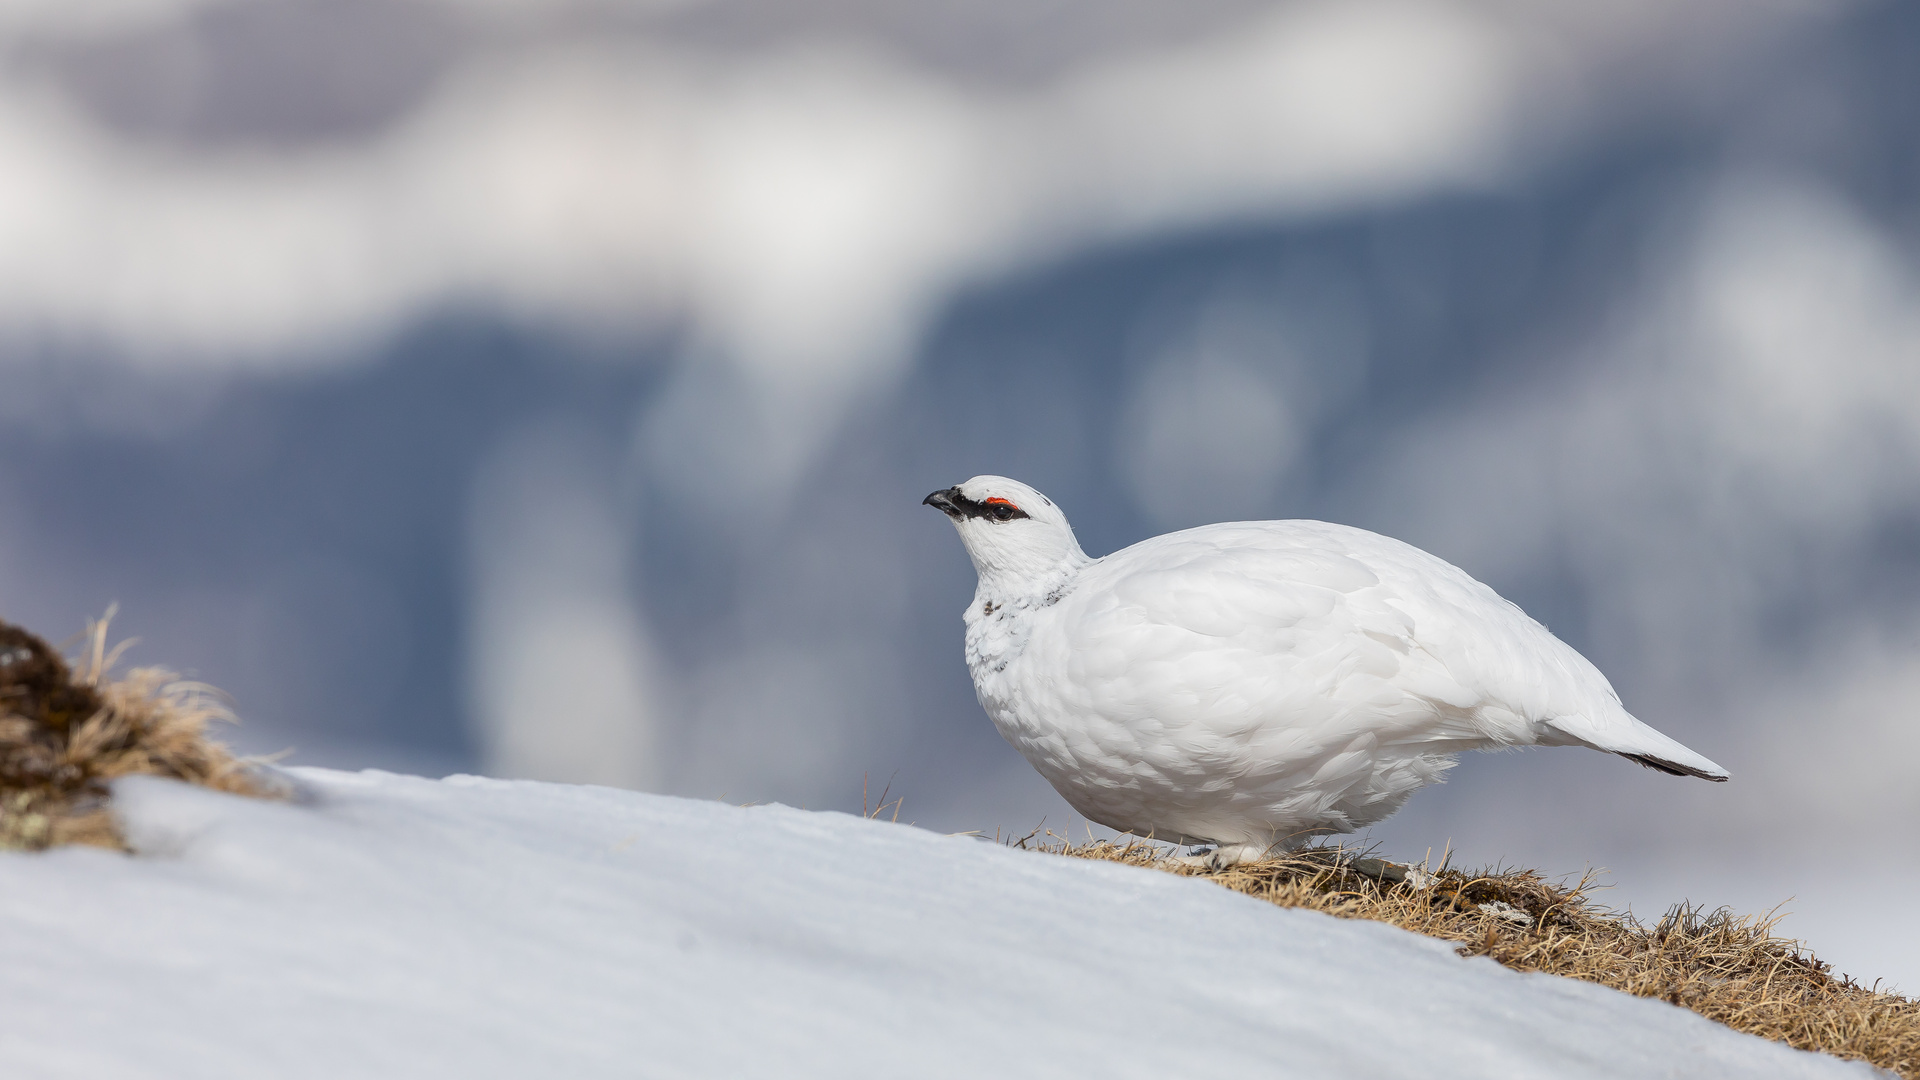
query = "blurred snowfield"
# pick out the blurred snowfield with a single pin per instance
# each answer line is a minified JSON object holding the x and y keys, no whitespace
{"x":548,"y":387}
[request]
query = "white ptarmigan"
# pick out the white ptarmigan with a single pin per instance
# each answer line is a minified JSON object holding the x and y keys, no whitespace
{"x":1252,"y":684}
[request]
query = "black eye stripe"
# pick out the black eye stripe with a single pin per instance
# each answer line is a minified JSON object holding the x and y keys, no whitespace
{"x":954,"y":504}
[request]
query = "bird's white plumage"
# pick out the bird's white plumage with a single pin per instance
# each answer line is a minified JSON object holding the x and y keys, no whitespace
{"x":1254,"y":683}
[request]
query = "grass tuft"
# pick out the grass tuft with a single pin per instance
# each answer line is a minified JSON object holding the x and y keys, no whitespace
{"x":67,"y":730}
{"x":1726,"y":967}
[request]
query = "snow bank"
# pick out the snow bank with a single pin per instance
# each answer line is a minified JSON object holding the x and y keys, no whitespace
{"x":395,"y":926}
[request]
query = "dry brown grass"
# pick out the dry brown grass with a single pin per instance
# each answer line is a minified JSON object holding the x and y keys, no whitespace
{"x":67,"y":730}
{"x":1725,"y":967}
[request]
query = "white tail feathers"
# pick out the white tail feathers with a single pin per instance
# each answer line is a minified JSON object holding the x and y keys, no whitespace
{"x":1637,"y":742}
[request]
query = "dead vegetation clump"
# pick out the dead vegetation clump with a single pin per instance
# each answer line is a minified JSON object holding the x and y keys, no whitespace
{"x":1725,"y":967}
{"x":65,"y":732}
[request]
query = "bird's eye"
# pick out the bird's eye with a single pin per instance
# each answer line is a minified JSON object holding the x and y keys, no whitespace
{"x":994,"y":509}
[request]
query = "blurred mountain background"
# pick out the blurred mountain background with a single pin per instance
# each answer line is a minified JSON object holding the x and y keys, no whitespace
{"x":547,"y":388}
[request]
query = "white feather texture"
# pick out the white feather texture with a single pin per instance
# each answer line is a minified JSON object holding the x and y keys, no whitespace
{"x":1253,"y":684}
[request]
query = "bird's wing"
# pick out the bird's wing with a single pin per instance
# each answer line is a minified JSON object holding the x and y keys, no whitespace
{"x":1341,"y":631}
{"x":1220,"y":631}
{"x":1512,"y":661}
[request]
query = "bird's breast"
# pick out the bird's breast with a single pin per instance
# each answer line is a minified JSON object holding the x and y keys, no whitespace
{"x":997,"y":635}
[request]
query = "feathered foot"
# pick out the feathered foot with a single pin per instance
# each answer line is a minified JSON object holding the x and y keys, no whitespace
{"x":1221,"y":856}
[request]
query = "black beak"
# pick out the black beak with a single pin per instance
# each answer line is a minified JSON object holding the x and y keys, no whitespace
{"x":944,"y":501}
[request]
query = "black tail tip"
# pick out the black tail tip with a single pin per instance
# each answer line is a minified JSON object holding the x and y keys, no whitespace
{"x":1673,"y":769}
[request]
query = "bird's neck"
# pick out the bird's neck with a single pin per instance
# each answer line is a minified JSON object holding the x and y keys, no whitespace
{"x":1024,"y":584}
{"x":1002,"y":616}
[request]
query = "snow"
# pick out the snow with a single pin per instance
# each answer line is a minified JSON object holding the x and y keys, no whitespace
{"x":395,"y":926}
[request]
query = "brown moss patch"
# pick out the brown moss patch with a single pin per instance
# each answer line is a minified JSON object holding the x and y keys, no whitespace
{"x":1726,"y":967}
{"x":66,"y":730}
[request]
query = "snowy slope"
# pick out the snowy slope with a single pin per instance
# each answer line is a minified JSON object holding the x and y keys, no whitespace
{"x":397,"y":927}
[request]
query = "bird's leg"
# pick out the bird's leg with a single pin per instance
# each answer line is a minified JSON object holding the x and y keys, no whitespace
{"x":1200,"y":857}
{"x":1221,"y":856}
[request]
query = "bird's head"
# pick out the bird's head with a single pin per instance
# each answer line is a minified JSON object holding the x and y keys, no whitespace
{"x":1018,"y":539}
